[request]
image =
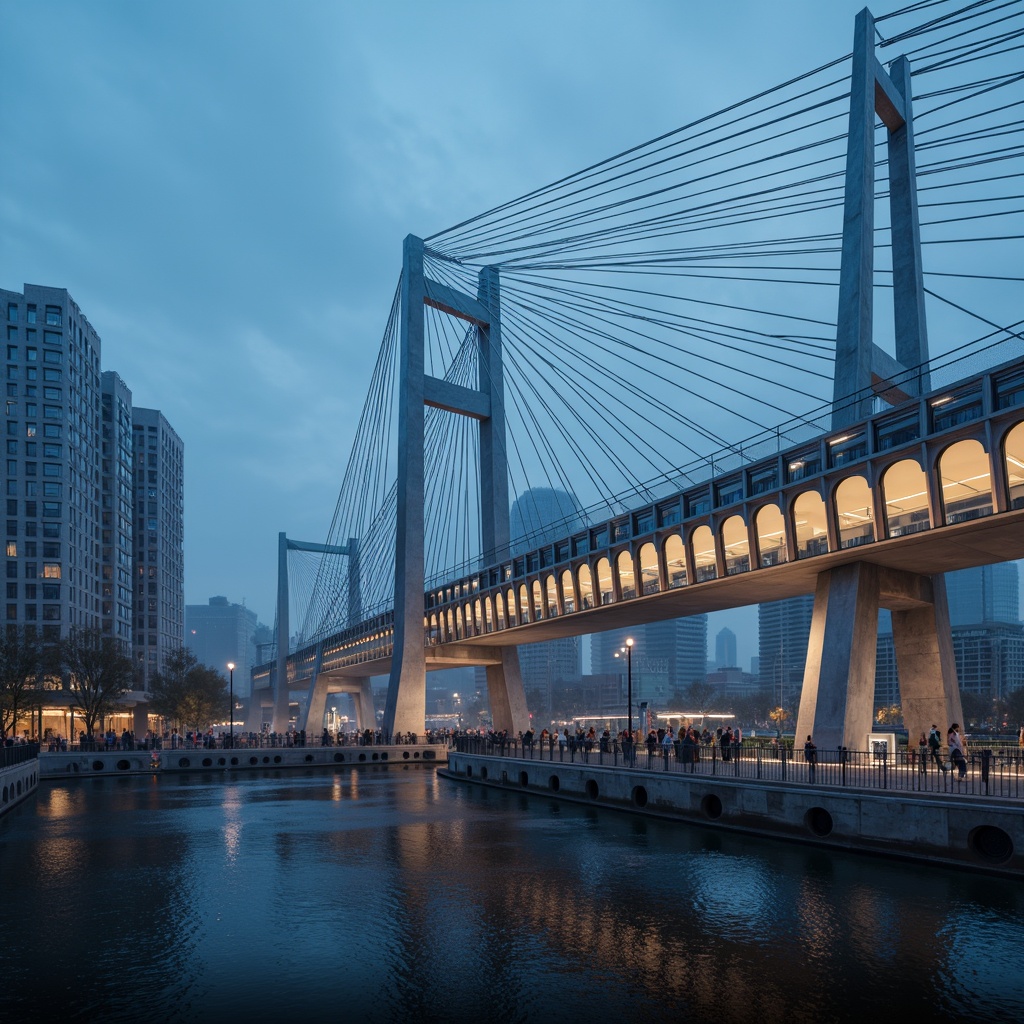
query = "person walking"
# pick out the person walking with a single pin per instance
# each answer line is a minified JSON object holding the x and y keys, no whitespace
{"x":811,"y":757}
{"x":957,"y":750}
{"x":935,"y":746}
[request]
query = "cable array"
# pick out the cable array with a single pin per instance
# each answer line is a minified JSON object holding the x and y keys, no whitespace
{"x":670,"y":311}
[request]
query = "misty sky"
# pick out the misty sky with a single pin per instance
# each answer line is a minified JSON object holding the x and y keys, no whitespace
{"x":224,"y":186}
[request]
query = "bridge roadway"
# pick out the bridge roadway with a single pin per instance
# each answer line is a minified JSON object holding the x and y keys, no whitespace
{"x":961,"y":448}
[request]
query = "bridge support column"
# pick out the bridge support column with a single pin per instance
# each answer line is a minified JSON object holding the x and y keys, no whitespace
{"x":837,"y":699}
{"x":366,"y":714}
{"x":406,"y":703}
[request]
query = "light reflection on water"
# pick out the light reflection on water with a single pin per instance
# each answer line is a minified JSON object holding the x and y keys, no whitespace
{"x":394,"y":894}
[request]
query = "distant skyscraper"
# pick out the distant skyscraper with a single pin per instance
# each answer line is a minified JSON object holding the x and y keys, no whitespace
{"x":725,"y":649}
{"x":784,"y":628}
{"x":219,"y":632}
{"x":539,"y":516}
{"x":159,"y":541}
{"x":985,"y":593}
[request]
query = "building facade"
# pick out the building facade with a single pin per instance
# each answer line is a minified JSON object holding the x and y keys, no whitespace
{"x":159,"y":504}
{"x":52,"y":434}
{"x":784,"y":628}
{"x":220,"y":632}
{"x":116,"y":508}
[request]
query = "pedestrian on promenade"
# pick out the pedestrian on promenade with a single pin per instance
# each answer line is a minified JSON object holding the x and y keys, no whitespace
{"x":957,"y":750}
{"x":811,"y":757}
{"x":934,"y":745}
{"x":922,"y":753}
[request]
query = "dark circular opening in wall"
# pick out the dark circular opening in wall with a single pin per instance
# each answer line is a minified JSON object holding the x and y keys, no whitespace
{"x":469,"y":771}
{"x":819,"y":821}
{"x":554,"y":784}
{"x":374,"y":757}
{"x":524,"y":779}
{"x":309,"y":758}
{"x":711,"y":805}
{"x":429,"y":755}
{"x":97,"y":766}
{"x":405,"y":754}
{"x":207,"y":762}
{"x":991,"y":844}
{"x":123,"y":765}
{"x":362,"y":757}
{"x":591,"y":789}
{"x":639,"y":796}
{"x":277,"y":759}
{"x":339,"y":757}
{"x":254,"y":760}
{"x":234,"y":760}
{"x":184,"y":762}
{"x":223,"y":760}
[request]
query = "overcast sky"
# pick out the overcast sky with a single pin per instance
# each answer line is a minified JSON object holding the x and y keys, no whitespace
{"x":224,"y":186}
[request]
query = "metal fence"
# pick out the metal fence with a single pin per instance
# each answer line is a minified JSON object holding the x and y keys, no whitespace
{"x":17,"y":754}
{"x":990,"y":772}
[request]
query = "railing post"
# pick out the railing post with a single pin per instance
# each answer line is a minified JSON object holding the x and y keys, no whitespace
{"x":758,"y":761}
{"x":782,"y":755}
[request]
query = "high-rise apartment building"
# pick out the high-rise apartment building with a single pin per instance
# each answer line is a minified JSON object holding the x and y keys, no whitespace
{"x":725,"y":649}
{"x":116,"y":508}
{"x":159,"y":480}
{"x":52,"y":480}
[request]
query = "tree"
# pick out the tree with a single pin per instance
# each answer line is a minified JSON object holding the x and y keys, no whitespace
{"x":701,"y":695}
{"x":891,"y":714}
{"x":101,"y":673}
{"x":20,"y":664}
{"x":190,"y":695}
{"x":978,"y":710}
{"x":1013,"y":707}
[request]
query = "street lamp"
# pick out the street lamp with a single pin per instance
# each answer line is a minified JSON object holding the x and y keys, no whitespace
{"x":231,"y":704}
{"x":628,"y":652}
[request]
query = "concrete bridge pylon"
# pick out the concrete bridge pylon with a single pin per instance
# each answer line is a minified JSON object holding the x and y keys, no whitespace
{"x":405,"y":710}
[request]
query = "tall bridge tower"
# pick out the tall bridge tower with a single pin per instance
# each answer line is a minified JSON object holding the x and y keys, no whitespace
{"x":837,"y":698}
{"x":405,"y":710}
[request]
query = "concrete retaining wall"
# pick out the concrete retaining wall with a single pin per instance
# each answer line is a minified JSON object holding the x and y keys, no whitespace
{"x":986,"y":835}
{"x":17,"y":783}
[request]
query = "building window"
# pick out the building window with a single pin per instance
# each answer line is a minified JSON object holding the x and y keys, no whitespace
{"x":52,"y":357}
{"x":51,"y":570}
{"x":51,"y":592}
{"x":51,"y":613}
{"x":30,"y":313}
{"x":12,"y":312}
{"x":53,"y":316}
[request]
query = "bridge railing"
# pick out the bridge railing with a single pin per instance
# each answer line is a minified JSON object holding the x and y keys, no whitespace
{"x":17,"y":754}
{"x":989,"y":772}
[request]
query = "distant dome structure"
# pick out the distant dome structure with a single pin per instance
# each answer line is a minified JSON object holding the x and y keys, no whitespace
{"x":541,"y":515}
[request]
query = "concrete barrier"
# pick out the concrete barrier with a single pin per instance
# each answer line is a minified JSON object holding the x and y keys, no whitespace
{"x":17,"y":783}
{"x":950,"y":829}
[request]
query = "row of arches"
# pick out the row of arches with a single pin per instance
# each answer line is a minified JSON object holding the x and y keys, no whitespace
{"x":957,"y":488}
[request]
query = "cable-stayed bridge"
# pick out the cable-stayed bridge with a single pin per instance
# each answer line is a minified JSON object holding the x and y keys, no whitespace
{"x":775,"y":351}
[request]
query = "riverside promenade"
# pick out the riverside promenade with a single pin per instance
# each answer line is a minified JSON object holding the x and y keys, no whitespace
{"x":870,"y":802}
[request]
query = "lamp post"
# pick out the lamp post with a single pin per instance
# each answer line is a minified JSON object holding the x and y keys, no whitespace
{"x":628,"y":652}
{"x":231,"y":704}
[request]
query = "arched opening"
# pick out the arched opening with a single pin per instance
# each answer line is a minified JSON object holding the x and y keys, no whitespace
{"x":538,"y":601}
{"x":627,"y":578}
{"x":855,"y":512}
{"x":586,"y":585}
{"x":771,"y":535}
{"x":435,"y":631}
{"x":809,"y":525}
{"x":603,"y":581}
{"x":488,"y":615}
{"x":736,"y":544}
{"x":905,"y":491}
{"x":702,"y":544}
{"x":524,"y":603}
{"x":460,"y":628}
{"x":650,"y":583}
{"x":1013,"y":453}
{"x":966,"y":481}
{"x":512,"y":616}
{"x":450,"y":635}
{"x":551,"y":596}
{"x":568,"y":595}
{"x":675,"y":561}
{"x":499,"y":610}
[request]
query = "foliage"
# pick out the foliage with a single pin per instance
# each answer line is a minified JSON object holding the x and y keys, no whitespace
{"x":20,"y":666}
{"x":702,"y":697}
{"x":978,"y":710}
{"x":187,"y":694}
{"x":101,"y":673}
{"x":779,"y":716}
{"x":1013,"y":707}
{"x":891,"y":714}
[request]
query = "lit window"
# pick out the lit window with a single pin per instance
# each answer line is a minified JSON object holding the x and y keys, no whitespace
{"x":12,"y":549}
{"x":51,"y":570}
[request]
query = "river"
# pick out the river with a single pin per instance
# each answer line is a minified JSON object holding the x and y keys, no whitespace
{"x":394,"y":894}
